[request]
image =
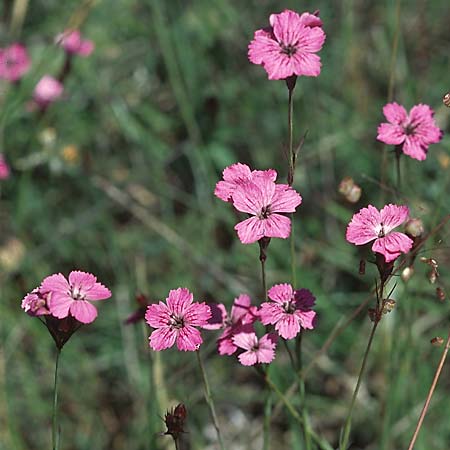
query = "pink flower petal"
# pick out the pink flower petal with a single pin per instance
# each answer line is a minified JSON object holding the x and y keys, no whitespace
{"x":157,"y":315}
{"x":392,"y":245}
{"x":189,"y":339}
{"x":86,"y":48}
{"x":240,"y":308}
{"x":277,"y":226}
{"x":59,"y":304}
{"x":248,"y":358}
{"x":250,"y":230}
{"x":266,"y":351}
{"x":288,"y":326}
{"x":98,"y":292}
{"x":310,"y":20}
{"x":364,"y":225}
{"x":225,"y":346}
{"x":392,"y":216}
{"x":245,"y":340}
{"x":162,"y":338}
{"x":55,"y":283}
{"x":83,"y":311}
{"x":281,"y":293}
{"x":307,"y":319}
{"x":270,"y":313}
{"x":197,"y":314}
{"x":414,"y":148}
{"x":218,"y":316}
{"x":391,"y":134}
{"x":179,"y":300}
{"x":287,"y":26}
{"x":285,"y":199}
{"x":81,"y":280}
{"x":395,"y":113}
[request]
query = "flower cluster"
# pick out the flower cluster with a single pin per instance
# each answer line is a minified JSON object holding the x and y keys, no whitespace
{"x":413,"y":132}
{"x":256,"y":193}
{"x":176,"y":320}
{"x":289,"y":46}
{"x":72,"y":42}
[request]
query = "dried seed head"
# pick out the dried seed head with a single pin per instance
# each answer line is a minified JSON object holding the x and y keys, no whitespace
{"x":389,"y":305}
{"x":437,"y":341}
{"x":446,"y":99}
{"x":414,"y":227}
{"x":407,"y":273}
{"x":433,"y":274}
{"x":175,"y":419}
{"x":440,"y":294}
{"x":372,"y":312}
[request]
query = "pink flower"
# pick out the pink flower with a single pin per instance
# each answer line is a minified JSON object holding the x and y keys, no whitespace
{"x":236,"y":175}
{"x":264,"y":200}
{"x":14,"y":62}
{"x":414,"y":132}
{"x":176,"y":321}
{"x":72,"y":43}
{"x":35,"y":303}
{"x":72,"y":297}
{"x":47,"y":91}
{"x":242,"y":315}
{"x":4,"y":168}
{"x":289,"y":310}
{"x":370,"y":224}
{"x":289,"y":45}
{"x":260,"y":351}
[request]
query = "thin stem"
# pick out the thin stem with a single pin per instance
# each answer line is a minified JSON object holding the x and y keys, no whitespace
{"x":263,"y":278}
{"x":398,"y":153}
{"x":267,"y":420}
{"x":430,"y":393}
{"x":209,"y":400}
{"x":177,"y":444}
{"x":348,"y":422}
{"x":55,"y":431}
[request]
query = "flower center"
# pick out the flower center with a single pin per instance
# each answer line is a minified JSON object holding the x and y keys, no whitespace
{"x":289,"y":49}
{"x":410,"y":129}
{"x":176,"y":322}
{"x":265,"y":212}
{"x":381,"y":233}
{"x":77,"y":294}
{"x":289,"y":307}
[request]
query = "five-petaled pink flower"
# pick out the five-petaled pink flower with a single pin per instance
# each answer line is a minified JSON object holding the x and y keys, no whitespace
{"x":237,"y":175}
{"x":370,"y":224}
{"x":261,"y":351}
{"x":14,"y":62}
{"x":72,"y":297}
{"x":289,"y":46}
{"x":72,"y":43}
{"x":242,"y":316}
{"x":175,"y":321}
{"x":35,"y":303}
{"x":47,"y":90}
{"x":4,"y":168}
{"x":414,"y":132}
{"x":289,"y":310}
{"x":264,"y":200}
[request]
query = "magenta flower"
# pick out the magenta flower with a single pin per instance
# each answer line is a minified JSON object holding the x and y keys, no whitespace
{"x":14,"y":62}
{"x":35,"y":303}
{"x":236,"y":175}
{"x":72,"y":297}
{"x":257,"y":351}
{"x":414,"y":132}
{"x":264,"y":200}
{"x":242,"y":316}
{"x":4,"y":168}
{"x":72,"y":43}
{"x":289,"y":310}
{"x":175,"y":321}
{"x":289,"y":46}
{"x":370,"y":224}
{"x":47,"y":91}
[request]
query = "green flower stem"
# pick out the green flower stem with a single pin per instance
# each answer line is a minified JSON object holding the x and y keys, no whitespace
{"x":209,"y":400}
{"x":55,"y":430}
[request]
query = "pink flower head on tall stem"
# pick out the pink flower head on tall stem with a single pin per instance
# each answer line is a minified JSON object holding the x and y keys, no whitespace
{"x":72,"y":43}
{"x":369,"y":224}
{"x":289,"y":46}
{"x":289,"y":310}
{"x":414,"y":132}
{"x":175,"y":321}
{"x":257,"y":351}
{"x":14,"y":62}
{"x":73,"y":296}
{"x":265,"y":201}
{"x":47,"y":91}
{"x":4,"y":168}
{"x":242,"y":315}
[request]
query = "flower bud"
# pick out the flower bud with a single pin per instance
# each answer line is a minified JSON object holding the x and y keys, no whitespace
{"x":437,"y":341}
{"x":446,"y":99}
{"x":350,"y":190}
{"x":388,"y":306}
{"x":414,"y":227}
{"x":407,"y":273}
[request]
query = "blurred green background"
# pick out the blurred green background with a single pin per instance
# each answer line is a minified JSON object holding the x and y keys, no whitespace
{"x":118,"y":178}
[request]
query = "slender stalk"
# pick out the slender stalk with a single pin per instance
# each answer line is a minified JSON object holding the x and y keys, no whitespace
{"x":209,"y":400}
{"x":55,"y":430}
{"x":398,"y":153}
{"x":267,"y":420}
{"x":263,"y":278}
{"x":346,"y":433}
{"x":430,"y":393}
{"x":177,"y":443}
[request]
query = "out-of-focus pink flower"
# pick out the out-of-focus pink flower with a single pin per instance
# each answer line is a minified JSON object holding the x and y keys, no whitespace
{"x":176,"y":321}
{"x":72,"y":43}
{"x":14,"y":62}
{"x":139,"y":313}
{"x":257,"y":351}
{"x":236,"y":175}
{"x":73,"y":296}
{"x":370,"y":224}
{"x":289,"y":46}
{"x":242,"y":315}
{"x":414,"y":131}
{"x":4,"y":168}
{"x":289,"y":310}
{"x":264,"y":200}
{"x":47,"y":91}
{"x":35,"y":303}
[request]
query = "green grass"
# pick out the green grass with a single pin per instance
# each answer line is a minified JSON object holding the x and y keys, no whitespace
{"x":166,"y":101}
